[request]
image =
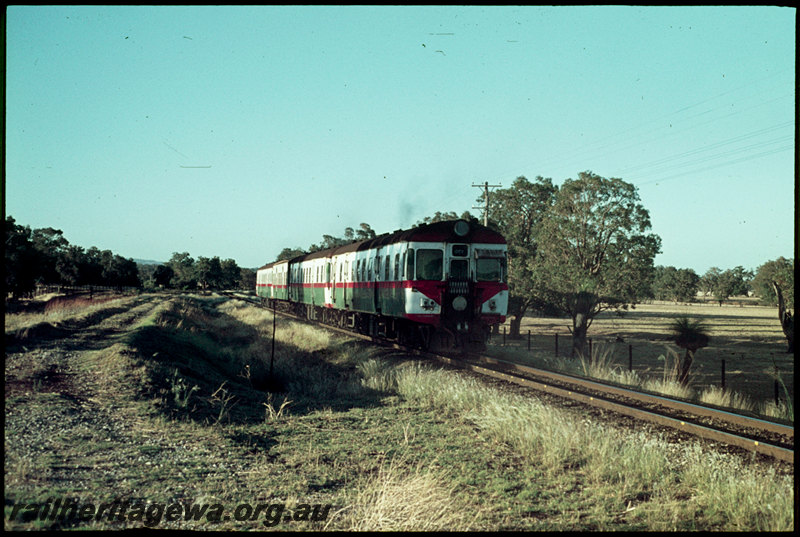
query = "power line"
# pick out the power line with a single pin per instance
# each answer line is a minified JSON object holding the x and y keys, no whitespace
{"x":649,"y":128}
{"x":671,"y":158}
{"x":720,"y":165}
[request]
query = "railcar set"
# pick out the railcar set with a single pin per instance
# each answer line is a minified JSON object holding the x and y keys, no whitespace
{"x":439,"y":285}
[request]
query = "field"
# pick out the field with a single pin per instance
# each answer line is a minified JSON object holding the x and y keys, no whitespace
{"x":748,"y":338}
{"x":154,"y":405}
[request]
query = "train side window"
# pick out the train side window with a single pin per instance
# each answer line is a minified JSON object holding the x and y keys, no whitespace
{"x":396,"y":266}
{"x":410,"y":264}
{"x":377,"y":268}
{"x":386,"y":268}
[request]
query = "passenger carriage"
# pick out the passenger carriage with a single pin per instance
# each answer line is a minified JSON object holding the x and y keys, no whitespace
{"x":446,"y":279}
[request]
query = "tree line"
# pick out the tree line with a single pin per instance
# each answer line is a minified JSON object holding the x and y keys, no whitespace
{"x":45,"y":256}
{"x":684,"y":285}
{"x":364,"y":232}
{"x":184,"y":272}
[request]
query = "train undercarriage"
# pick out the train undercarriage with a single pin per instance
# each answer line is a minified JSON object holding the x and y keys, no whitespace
{"x":401,"y":331}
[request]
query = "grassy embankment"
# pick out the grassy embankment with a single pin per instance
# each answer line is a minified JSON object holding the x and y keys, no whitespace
{"x":390,"y":443}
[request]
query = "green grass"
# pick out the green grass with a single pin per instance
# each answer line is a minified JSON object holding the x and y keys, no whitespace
{"x":179,"y":411}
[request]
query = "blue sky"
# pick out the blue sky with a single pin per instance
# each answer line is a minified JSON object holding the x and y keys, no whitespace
{"x":237,"y":131}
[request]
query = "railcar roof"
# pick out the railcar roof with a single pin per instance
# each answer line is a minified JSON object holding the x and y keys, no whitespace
{"x":274,"y":263}
{"x":436,"y":232}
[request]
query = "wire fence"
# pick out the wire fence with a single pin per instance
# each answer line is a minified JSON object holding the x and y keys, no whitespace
{"x":46,"y":289}
{"x":767,"y":376}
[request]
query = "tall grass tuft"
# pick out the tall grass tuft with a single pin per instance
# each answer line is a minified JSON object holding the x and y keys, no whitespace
{"x":603,"y":366}
{"x":378,"y":374}
{"x":717,"y":396}
{"x":784,"y":409}
{"x":669,"y":384}
{"x":403,"y":499}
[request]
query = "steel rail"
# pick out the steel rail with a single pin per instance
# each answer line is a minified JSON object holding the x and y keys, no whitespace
{"x":675,"y":404}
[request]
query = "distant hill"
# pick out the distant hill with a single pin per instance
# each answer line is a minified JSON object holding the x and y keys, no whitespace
{"x":147,"y":262}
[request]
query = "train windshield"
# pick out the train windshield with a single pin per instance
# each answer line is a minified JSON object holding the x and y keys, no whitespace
{"x":429,"y":264}
{"x":489,"y":269}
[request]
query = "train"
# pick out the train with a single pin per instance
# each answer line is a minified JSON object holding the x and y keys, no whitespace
{"x":439,"y":286}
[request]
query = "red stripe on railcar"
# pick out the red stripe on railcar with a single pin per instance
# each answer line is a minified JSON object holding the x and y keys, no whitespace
{"x":424,"y":318}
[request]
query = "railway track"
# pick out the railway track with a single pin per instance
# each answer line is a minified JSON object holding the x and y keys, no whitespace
{"x":750,"y":433}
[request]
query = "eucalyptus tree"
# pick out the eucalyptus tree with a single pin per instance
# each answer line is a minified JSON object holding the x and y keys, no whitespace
{"x":21,"y":259}
{"x":595,"y":251}
{"x":517,"y":213}
{"x":184,"y":270}
{"x":675,"y":284}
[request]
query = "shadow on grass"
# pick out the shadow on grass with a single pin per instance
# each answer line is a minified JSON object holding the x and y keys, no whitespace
{"x":208,"y":367}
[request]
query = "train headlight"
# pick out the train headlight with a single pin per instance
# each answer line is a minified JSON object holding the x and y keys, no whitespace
{"x":492,"y":305}
{"x":461,"y":228}
{"x":427,"y":303}
{"x":459,"y":303}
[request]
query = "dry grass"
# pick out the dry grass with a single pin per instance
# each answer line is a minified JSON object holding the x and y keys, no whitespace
{"x":665,"y":486}
{"x":726,"y":398}
{"x":748,"y":338}
{"x":404,"y":498}
{"x":59,"y":309}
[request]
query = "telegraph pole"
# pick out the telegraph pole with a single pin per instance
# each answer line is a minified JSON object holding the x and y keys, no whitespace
{"x":485,"y":186}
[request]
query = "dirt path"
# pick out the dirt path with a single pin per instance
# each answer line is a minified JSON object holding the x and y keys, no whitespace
{"x":54,"y":415}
